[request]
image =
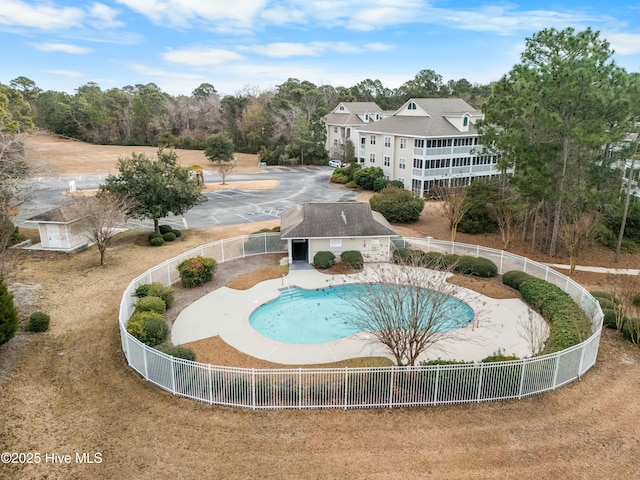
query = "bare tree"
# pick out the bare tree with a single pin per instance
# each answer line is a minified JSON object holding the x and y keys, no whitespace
{"x":101,"y":218}
{"x":508,"y":214}
{"x":534,"y":331}
{"x":454,"y":207}
{"x":410,"y":314}
{"x":577,"y":236}
{"x":624,"y":289}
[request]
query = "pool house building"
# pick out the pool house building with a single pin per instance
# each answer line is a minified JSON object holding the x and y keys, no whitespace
{"x":335,"y":227}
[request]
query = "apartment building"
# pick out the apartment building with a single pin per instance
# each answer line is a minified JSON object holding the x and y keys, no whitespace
{"x":426,"y":143}
{"x":343,"y":120}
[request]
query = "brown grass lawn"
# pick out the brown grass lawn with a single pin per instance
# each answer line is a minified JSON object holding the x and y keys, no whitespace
{"x":69,"y":390}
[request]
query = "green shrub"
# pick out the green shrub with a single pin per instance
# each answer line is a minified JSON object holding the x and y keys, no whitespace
{"x":153,"y":235}
{"x":379,"y":184}
{"x":462,"y":265}
{"x":449,"y":260}
{"x":148,"y":327}
{"x":38,"y":322}
{"x":151,"y":304}
{"x":396,"y":183}
{"x":606,"y":304}
{"x":353,"y":258}
{"x":483,"y":267}
{"x":499,"y":357}
{"x":178,"y":352}
{"x":514,"y":278}
{"x":164,"y":229}
{"x":604,"y":296}
{"x":177,"y":233}
{"x":323,"y":260}
{"x":636,"y":300}
{"x":631,"y":330}
{"x":339,"y":177}
{"x":610,"y":318}
{"x":397,"y":205}
{"x":569,"y":324}
{"x":169,"y":237}
{"x":156,"y":241}
{"x":351,"y":184}
{"x":409,"y":256}
{"x":433,"y":259}
{"x":197,"y":271}
{"x":9,"y":318}
{"x":402,"y":255}
{"x":166,"y":293}
{"x":365,"y":177}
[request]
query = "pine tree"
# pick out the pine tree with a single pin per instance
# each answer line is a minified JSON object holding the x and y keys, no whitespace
{"x":8,"y":314}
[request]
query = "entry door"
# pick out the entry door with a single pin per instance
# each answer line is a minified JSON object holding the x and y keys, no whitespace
{"x":300,"y":249}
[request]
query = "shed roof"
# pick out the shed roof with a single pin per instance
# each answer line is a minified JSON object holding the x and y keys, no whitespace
{"x":63,"y":214}
{"x":333,"y":220}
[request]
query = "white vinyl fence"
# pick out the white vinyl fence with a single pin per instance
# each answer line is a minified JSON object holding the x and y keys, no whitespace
{"x":359,"y":387}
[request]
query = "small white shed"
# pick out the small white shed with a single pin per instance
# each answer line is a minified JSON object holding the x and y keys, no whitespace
{"x":60,"y":229}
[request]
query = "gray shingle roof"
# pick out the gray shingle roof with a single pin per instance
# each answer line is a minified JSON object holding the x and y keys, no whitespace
{"x":435,"y":125}
{"x":62,"y":214}
{"x":333,"y":220}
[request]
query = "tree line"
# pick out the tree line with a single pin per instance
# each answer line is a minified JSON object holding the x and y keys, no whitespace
{"x":282,"y":124}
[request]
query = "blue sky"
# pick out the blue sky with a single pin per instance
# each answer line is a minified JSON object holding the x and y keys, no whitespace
{"x":258,"y":44}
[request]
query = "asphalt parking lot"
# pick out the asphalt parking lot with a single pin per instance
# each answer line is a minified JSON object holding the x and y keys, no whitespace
{"x":225,"y":207}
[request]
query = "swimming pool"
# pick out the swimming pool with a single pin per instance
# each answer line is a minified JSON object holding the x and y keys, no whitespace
{"x":307,"y":317}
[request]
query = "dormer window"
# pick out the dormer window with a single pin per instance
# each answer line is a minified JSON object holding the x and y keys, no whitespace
{"x":412,"y":106}
{"x":341,"y":108}
{"x":366,"y":117}
{"x":465,"y":122}
{"x":377,"y":116}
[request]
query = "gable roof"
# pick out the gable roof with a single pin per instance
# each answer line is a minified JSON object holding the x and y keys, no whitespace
{"x":333,"y":220}
{"x":63,"y":214}
{"x":353,"y":113}
{"x":433,"y":124}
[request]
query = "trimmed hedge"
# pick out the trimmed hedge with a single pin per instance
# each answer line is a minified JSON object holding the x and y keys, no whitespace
{"x":569,"y":324}
{"x":197,"y":271}
{"x":353,"y":258}
{"x":164,"y":229}
{"x":38,"y":322}
{"x":514,"y":278}
{"x":151,"y":304}
{"x":169,"y":237}
{"x":397,"y":205}
{"x":178,"y":352}
{"x":148,"y":327}
{"x":631,"y":330}
{"x":156,"y":289}
{"x":323,"y":260}
{"x":156,"y":241}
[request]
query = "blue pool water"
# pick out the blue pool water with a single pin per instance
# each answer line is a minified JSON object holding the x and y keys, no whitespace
{"x":307,"y":317}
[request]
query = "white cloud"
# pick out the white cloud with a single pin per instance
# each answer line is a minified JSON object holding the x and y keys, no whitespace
{"x":184,"y":13}
{"x":16,"y":13}
{"x":311,"y":49}
{"x":104,"y":17}
{"x":624,"y":43}
{"x":66,"y":73}
{"x":61,"y":47}
{"x":201,"y":57}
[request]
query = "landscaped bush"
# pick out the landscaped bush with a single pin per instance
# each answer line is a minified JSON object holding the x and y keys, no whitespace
{"x":9,"y":318}
{"x":569,"y":324}
{"x":410,"y":256}
{"x":397,"y":205}
{"x":197,"y":271}
{"x":353,"y":258}
{"x":499,"y":357}
{"x":514,"y":278}
{"x":169,"y":237}
{"x":323,"y":260}
{"x":148,"y":327}
{"x":164,"y":229}
{"x":631,"y":330}
{"x":156,"y":241}
{"x":365,"y":177}
{"x":351,"y":184}
{"x":636,"y":300}
{"x":151,"y":304}
{"x":610,"y":318}
{"x":153,"y":235}
{"x":156,"y":289}
{"x":606,"y":304}
{"x":598,"y":295}
{"x":177,"y":233}
{"x":476,"y":266}
{"x":178,"y":352}
{"x":339,"y":177}
{"x":396,"y":183}
{"x":38,"y":322}
{"x":449,"y":260}
{"x":379,"y":184}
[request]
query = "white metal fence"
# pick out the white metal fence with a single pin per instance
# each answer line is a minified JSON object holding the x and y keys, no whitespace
{"x":359,"y":387}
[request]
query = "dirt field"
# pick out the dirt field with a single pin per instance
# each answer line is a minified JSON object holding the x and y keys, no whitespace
{"x":70,"y":391}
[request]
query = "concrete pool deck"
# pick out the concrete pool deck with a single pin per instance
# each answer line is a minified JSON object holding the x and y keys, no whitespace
{"x":225,"y":312}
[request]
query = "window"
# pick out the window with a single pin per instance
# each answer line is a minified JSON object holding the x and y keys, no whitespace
{"x":377,"y":116}
{"x":373,"y":140}
{"x":335,"y":141}
{"x":387,"y":161}
{"x":341,"y":108}
{"x":418,"y":143}
{"x":465,"y":122}
{"x":387,"y":141}
{"x":401,"y":179}
{"x":372,"y":158}
{"x":335,"y":129}
{"x":363,"y":141}
{"x":412,"y":106}
{"x":402,"y":163}
{"x":417,"y":163}
{"x":403,"y":143}
{"x":366,"y":117}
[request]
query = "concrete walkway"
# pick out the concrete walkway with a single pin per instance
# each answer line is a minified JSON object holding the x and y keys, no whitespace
{"x":225,"y":312}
